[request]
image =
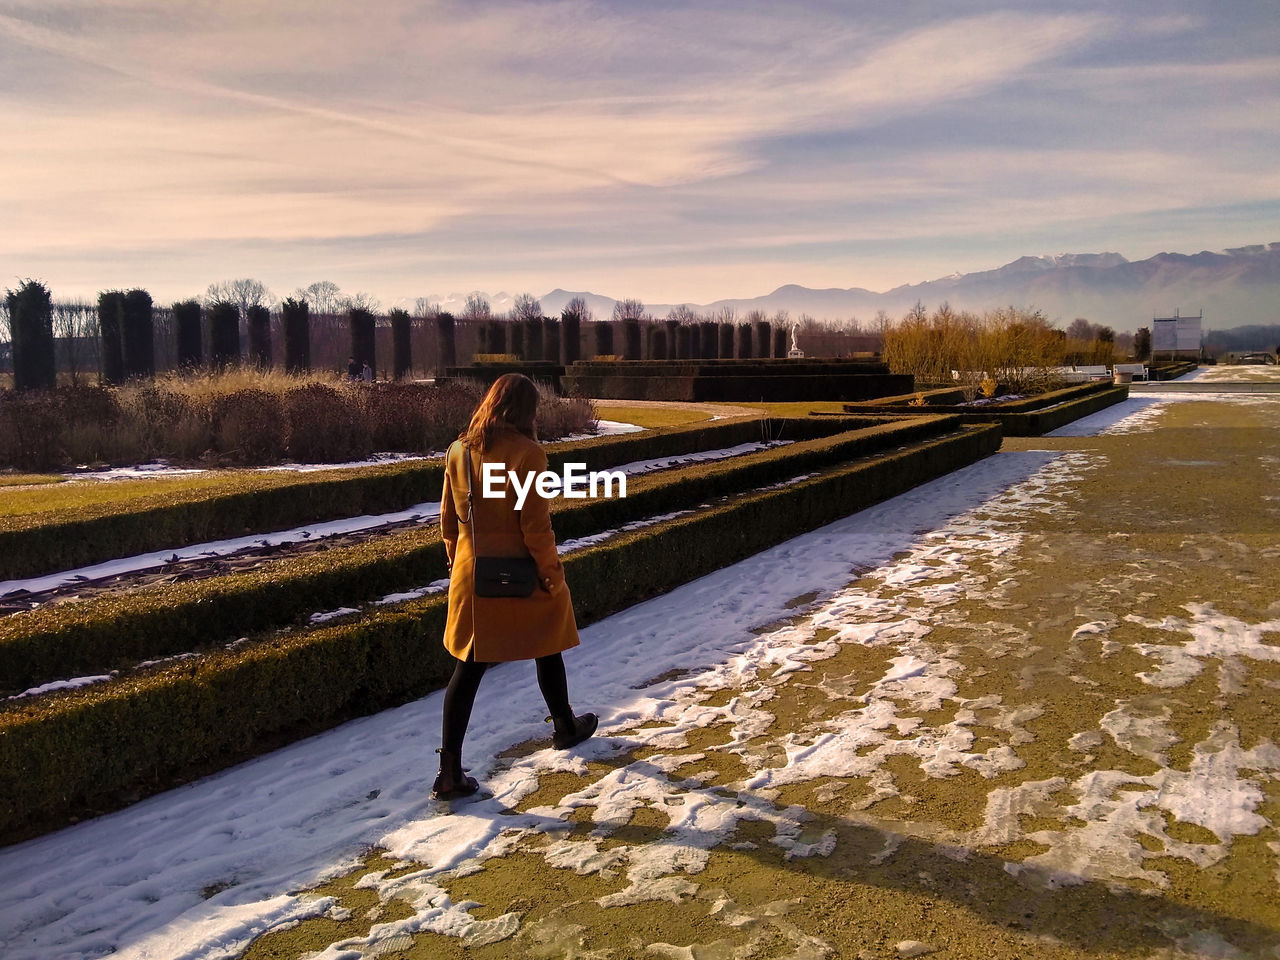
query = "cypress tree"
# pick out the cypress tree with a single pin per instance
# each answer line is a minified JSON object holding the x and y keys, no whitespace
{"x":296,"y":317}
{"x":744,"y":341}
{"x":780,"y":335}
{"x":516,"y":336}
{"x":401,"y":347}
{"x":186,"y":317}
{"x":684,"y":342}
{"x":551,"y":347}
{"x":764,"y":339}
{"x":446,"y":342}
{"x":604,"y":339}
{"x":707,"y":340}
{"x":363,"y":338}
{"x":110,"y":313}
{"x":31,"y":330}
{"x":571,"y":336}
{"x":224,"y":334}
{"x":658,"y":343}
{"x":136,"y":333}
{"x":258,"y":321}
{"x":532,"y":338}
{"x":724,"y":345}
{"x":630,"y":338}
{"x":497,"y":337}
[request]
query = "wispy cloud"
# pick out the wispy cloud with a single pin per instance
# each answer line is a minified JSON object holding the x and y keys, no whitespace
{"x":488,"y":135}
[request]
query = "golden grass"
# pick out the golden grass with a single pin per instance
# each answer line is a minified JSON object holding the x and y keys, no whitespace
{"x":653,"y":416}
{"x":88,"y":493}
{"x":246,"y":417}
{"x":795,"y":408}
{"x":28,"y":479}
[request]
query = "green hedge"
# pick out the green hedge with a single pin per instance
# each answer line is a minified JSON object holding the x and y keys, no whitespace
{"x":732,"y":366}
{"x":770,"y":387}
{"x":96,"y":748}
{"x":1171,"y":370}
{"x":118,"y":630}
{"x":1029,"y":417}
{"x":39,"y":543}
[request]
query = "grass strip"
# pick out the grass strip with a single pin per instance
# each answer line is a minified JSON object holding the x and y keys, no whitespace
{"x":100,"y":747}
{"x":47,"y":541}
{"x":117,"y":630}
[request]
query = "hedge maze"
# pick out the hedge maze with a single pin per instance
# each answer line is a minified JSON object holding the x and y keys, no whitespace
{"x":248,"y":671}
{"x":1029,"y":417}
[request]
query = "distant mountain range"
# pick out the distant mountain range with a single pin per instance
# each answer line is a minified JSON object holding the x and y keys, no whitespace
{"x":1234,"y":287}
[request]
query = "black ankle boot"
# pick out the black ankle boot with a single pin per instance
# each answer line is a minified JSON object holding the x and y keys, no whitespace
{"x":451,"y":783}
{"x":571,"y":730}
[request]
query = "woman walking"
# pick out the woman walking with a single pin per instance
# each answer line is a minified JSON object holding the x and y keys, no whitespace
{"x":508,"y":599}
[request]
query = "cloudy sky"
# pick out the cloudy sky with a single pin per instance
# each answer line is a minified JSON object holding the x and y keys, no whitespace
{"x":667,"y":151}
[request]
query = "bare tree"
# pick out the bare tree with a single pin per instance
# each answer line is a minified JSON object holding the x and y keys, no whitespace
{"x":74,"y":329}
{"x":628,"y":309}
{"x":526,"y":307}
{"x":360,"y":301}
{"x":244,"y":293}
{"x":323,"y":296}
{"x":477,"y":308}
{"x":578,"y":307}
{"x":755,"y":316}
{"x":426,"y":307}
{"x":683,"y":314}
{"x":1081,"y":329}
{"x":726,"y":314}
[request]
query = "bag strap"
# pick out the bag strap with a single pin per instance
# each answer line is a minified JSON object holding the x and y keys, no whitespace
{"x":471,"y":503}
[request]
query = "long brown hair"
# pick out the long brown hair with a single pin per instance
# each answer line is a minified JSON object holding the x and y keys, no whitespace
{"x":511,"y":403}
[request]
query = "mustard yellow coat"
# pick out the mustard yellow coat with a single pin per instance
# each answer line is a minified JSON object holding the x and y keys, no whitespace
{"x":502,"y":628}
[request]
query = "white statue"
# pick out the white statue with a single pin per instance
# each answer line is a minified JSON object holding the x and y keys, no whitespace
{"x":795,"y":353}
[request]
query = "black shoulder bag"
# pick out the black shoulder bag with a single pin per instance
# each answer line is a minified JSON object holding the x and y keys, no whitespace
{"x":497,"y":576}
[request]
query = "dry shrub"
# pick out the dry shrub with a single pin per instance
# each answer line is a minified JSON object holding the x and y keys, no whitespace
{"x":248,"y":417}
{"x":564,"y":416}
{"x":30,"y":425}
{"x":450,"y":411}
{"x":325,"y":424}
{"x":249,"y":427}
{"x":398,"y":416}
{"x":171,"y":424}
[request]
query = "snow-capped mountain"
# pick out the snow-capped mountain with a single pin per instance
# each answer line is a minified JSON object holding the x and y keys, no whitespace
{"x":1233,"y":287}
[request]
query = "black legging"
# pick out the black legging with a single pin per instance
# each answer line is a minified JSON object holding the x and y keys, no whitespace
{"x":460,"y":695}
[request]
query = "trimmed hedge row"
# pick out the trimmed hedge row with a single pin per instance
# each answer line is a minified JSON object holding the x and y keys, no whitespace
{"x":1171,"y":370}
{"x":768,"y":387}
{"x":1031,"y":417}
{"x":746,"y":366}
{"x":1040,"y":422}
{"x":118,"y":630}
{"x":99,"y":747}
{"x":35,"y":544}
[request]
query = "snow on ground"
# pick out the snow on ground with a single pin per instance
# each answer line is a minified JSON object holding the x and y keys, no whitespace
{"x":1140,"y":412}
{"x":131,"y":883}
{"x":421,"y":512}
{"x":162,"y":468}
